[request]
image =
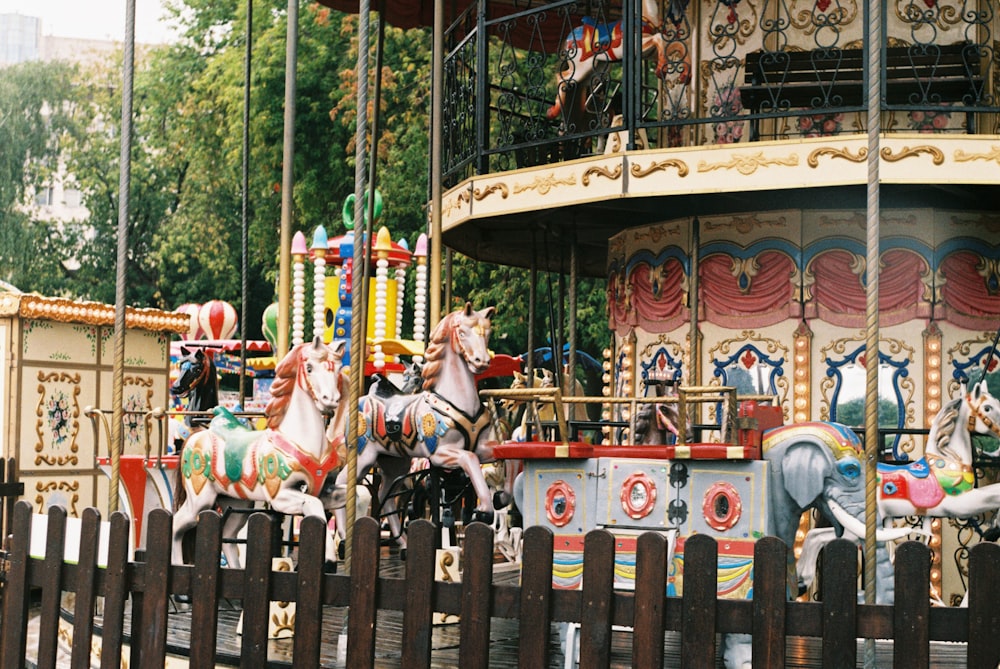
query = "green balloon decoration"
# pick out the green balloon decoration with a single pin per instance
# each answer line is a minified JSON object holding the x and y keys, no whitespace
{"x":269,"y":325}
{"x":348,"y":212}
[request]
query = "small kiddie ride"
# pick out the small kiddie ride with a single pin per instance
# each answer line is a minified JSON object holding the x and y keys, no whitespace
{"x":683,"y":488}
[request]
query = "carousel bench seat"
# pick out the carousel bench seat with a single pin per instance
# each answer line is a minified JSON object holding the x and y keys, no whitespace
{"x":777,"y":81}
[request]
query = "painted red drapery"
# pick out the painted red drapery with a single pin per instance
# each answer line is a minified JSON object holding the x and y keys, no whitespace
{"x":838,"y":291}
{"x":657,"y":295}
{"x":966,"y":299}
{"x":769,"y":298}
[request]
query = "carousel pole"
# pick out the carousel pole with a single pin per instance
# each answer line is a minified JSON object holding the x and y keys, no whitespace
{"x":437,"y":97}
{"x":358,"y":325}
{"x":287,"y":179}
{"x":121,"y":265}
{"x":874,"y":48}
{"x":574,"y":271}
{"x":245,"y":207}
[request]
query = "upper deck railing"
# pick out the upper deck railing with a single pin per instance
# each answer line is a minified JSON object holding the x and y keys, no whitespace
{"x":677,"y":74}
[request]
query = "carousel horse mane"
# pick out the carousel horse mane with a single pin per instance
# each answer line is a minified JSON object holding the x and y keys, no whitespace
{"x":282,"y":387}
{"x":946,"y":420}
{"x":434,"y":353}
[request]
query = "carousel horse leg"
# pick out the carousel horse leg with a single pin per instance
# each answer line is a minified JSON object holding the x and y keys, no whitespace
{"x":392,"y":469}
{"x":290,"y":501}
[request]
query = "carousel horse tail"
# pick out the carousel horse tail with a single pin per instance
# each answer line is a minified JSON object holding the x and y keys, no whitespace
{"x":180,"y":493}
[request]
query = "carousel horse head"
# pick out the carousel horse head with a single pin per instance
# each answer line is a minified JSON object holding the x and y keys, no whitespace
{"x":197,"y":370}
{"x":656,"y":423}
{"x":465,"y":332}
{"x":198,"y":382}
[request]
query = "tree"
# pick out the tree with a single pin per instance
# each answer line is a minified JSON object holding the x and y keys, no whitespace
{"x":36,"y":105}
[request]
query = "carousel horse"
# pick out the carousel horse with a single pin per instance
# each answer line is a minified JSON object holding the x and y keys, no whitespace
{"x":198,"y":382}
{"x":445,"y":422}
{"x":594,"y":42}
{"x":943,"y":482}
{"x":940,"y":484}
{"x":285,"y":465}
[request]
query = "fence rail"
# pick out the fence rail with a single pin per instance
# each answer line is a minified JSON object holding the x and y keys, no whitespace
{"x":698,"y":615}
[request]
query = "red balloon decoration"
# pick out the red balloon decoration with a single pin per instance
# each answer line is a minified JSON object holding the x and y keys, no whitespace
{"x":217,"y":319}
{"x":194,"y":330}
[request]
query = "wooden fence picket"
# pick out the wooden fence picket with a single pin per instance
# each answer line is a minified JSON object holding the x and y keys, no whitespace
{"x":419,"y":605}
{"x":536,"y":598}
{"x":839,"y":593}
{"x":86,"y":588}
{"x":911,"y":619}
{"x":205,"y":585}
{"x":116,"y":592}
{"x":700,"y":587}
{"x":984,"y":614}
{"x":477,"y":578}
{"x":770,"y":594}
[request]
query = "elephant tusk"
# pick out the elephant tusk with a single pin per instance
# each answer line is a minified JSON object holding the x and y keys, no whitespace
{"x":857,"y":528}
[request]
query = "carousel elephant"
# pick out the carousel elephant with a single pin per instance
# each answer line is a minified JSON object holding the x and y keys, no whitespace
{"x":816,"y":466}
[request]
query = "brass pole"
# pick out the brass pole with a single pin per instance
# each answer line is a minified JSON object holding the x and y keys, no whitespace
{"x":359,"y":339}
{"x":874,"y":46}
{"x":437,"y":97}
{"x":287,"y":181}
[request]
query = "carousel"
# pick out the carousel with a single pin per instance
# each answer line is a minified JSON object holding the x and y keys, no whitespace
{"x":794,"y":210}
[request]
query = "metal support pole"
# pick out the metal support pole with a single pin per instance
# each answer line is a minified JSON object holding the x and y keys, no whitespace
{"x":245,"y":206}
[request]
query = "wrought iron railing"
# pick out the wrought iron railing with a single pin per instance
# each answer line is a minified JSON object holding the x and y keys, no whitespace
{"x":530,"y":83}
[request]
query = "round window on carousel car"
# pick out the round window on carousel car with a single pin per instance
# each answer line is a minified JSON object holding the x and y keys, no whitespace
{"x":560,"y":503}
{"x":722,"y":506}
{"x":638,"y":495}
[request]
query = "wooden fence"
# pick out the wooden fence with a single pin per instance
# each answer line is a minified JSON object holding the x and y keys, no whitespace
{"x":838,"y":620}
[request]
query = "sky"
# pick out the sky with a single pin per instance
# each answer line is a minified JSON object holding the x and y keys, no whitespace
{"x":94,"y":19}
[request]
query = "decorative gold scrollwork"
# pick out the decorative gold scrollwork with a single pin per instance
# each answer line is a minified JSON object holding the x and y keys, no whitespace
{"x":845,"y":153}
{"x":907,"y":152}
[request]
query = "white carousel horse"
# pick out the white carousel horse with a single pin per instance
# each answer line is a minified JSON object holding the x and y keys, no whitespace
{"x":594,"y":42}
{"x":285,"y":465}
{"x":943,"y":482}
{"x":445,"y":422}
{"x":940,"y":484}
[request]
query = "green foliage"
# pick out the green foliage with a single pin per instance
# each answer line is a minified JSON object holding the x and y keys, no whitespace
{"x":853,"y":412}
{"x":507,"y":288}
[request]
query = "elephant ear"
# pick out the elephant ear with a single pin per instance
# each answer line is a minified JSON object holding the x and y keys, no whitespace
{"x":805,"y":467}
